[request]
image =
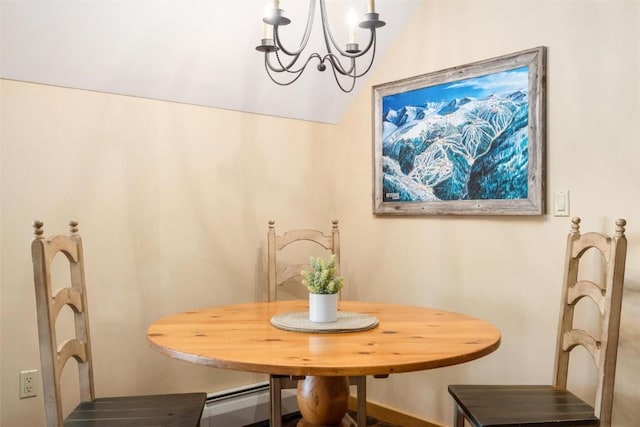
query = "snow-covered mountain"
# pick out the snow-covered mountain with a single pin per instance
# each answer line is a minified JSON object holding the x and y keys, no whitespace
{"x":465,"y":149}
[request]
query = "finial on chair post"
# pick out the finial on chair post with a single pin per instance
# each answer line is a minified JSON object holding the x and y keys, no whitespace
{"x":38,"y":229}
{"x":620,"y":223}
{"x":575,"y":225}
{"x":73,"y":227}
{"x":335,"y":224}
{"x":272,"y":225}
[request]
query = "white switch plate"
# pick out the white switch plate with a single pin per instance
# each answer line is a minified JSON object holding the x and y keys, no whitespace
{"x":561,"y":203}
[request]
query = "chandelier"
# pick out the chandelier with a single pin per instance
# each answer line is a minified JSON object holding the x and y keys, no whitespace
{"x":279,"y":59}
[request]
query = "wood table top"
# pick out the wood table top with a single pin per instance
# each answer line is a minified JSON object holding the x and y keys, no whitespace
{"x":241,"y":337}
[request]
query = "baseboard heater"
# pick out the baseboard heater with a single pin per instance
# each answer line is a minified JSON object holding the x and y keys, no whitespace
{"x":245,"y":405}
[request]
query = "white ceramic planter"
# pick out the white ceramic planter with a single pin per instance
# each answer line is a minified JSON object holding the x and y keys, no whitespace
{"x":323,"y":308}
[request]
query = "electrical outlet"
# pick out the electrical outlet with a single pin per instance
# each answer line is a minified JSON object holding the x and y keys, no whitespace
{"x":28,"y":383}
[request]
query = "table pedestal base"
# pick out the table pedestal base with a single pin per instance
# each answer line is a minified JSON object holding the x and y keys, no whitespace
{"x":303,"y":423}
{"x":323,"y":401}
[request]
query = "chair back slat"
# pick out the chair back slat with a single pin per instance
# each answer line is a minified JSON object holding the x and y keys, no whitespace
{"x":587,"y":288}
{"x":53,"y":356}
{"x":607,"y":296}
{"x":68,"y":349}
{"x":599,"y":241}
{"x":576,"y":337}
{"x":67,"y":297}
{"x":288,"y":272}
{"x":278,"y":275}
{"x":314,"y":236}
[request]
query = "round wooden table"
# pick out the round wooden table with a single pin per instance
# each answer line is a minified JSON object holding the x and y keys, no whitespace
{"x":241,"y":337}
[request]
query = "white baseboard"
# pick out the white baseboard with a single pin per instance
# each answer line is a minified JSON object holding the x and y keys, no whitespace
{"x":244,"y":405}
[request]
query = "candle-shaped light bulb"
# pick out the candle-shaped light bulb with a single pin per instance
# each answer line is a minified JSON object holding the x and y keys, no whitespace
{"x":372,"y":6}
{"x":352,"y":22}
{"x":276,"y":4}
{"x":269,"y":12}
{"x":265,"y":34}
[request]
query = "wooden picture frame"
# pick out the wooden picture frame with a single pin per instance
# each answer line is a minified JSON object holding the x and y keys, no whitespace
{"x":468,"y":140}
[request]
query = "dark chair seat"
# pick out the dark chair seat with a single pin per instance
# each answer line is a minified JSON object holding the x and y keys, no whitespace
{"x":521,"y":405}
{"x":168,"y":410}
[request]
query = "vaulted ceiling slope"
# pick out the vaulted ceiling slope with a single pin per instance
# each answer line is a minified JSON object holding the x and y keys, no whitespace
{"x":199,"y":52}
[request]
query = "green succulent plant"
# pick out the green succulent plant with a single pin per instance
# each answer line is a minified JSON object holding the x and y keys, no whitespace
{"x":322,"y":277}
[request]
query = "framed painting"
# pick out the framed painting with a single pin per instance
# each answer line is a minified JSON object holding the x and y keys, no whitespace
{"x":468,"y":140}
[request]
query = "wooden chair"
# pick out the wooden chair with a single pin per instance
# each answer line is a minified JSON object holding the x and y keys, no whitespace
{"x":554,"y":405}
{"x":278,"y":276}
{"x":181,"y":410}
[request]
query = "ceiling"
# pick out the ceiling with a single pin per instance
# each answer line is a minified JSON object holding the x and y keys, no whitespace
{"x":199,"y":52}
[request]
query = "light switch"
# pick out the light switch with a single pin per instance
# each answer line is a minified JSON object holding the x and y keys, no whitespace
{"x":561,"y":205}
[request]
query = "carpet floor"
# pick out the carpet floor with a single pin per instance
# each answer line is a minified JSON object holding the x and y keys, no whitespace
{"x":291,"y":420}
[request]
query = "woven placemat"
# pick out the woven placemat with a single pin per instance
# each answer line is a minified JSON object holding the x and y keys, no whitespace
{"x":298,"y":321}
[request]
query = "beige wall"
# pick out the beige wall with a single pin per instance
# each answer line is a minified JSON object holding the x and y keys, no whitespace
{"x":173,"y":202}
{"x":506,"y":270}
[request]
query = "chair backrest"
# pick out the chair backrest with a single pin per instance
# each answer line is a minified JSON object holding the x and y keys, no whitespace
{"x":607,"y":296}
{"x":53,"y":356}
{"x":277,"y":276}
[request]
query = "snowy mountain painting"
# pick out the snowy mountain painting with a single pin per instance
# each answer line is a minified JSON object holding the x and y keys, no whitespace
{"x":463,"y":140}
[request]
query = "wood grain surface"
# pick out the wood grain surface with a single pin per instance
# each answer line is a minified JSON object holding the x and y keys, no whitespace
{"x":240,"y":337}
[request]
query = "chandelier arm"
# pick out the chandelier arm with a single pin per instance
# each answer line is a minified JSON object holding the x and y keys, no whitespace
{"x":283,"y":83}
{"x":373,"y":56}
{"x":353,"y":79}
{"x":326,"y":30}
{"x":372,"y":43}
{"x":268,"y":68}
{"x":288,"y":66}
{"x":305,"y":36}
{"x":330,"y":40}
{"x":288,"y":69}
{"x":336,"y":64}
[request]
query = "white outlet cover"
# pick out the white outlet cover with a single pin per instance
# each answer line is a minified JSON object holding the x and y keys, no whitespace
{"x":29,"y":381}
